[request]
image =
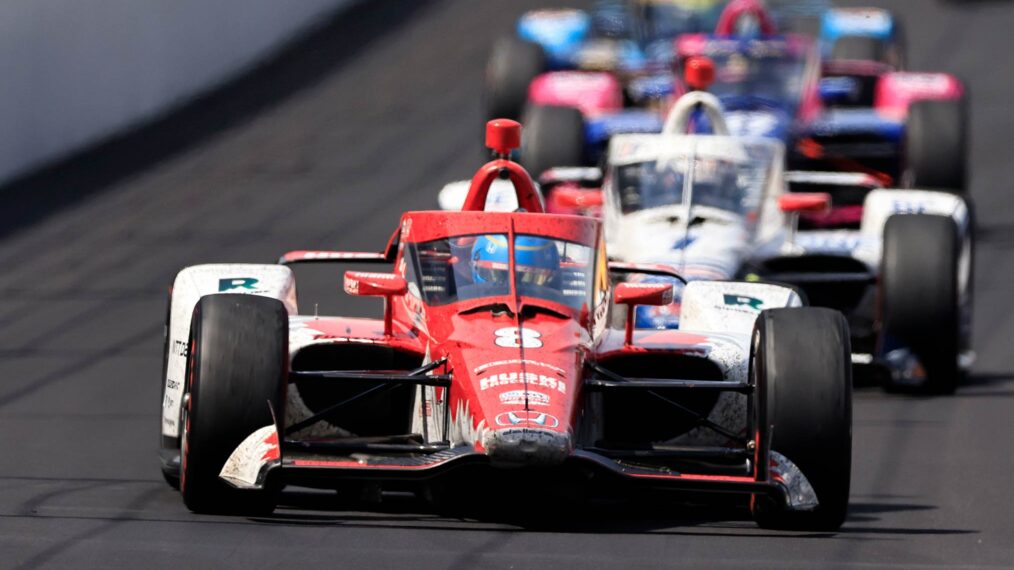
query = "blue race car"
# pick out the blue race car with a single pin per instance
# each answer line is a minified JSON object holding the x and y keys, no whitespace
{"x":630,"y":38}
{"x":849,"y":111}
{"x":771,"y":82}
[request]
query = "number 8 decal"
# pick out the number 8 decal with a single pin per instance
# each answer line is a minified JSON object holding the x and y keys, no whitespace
{"x":513,"y":337}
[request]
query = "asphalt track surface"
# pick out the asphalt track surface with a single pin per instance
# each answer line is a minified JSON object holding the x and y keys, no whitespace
{"x":325,"y":148}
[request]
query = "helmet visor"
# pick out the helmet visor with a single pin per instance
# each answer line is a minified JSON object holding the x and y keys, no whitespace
{"x":533,"y":275}
{"x":492,"y":272}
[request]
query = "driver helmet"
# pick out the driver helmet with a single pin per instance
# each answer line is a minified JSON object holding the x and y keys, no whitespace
{"x":667,"y":187}
{"x":716,"y":184}
{"x":536,"y":260}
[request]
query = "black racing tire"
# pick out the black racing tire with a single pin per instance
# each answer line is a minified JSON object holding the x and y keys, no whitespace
{"x":898,"y":53}
{"x":512,"y":66}
{"x":801,"y":362}
{"x":552,"y":136}
{"x":919,"y":294}
{"x":859,"y":47}
{"x":237,"y":367}
{"x":936,"y":145}
{"x":890,"y":51}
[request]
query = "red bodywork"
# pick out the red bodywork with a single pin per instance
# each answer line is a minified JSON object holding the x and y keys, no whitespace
{"x":518,"y":366}
{"x":737,"y":9}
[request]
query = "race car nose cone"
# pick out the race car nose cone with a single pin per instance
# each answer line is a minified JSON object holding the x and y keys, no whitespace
{"x":524,"y":447}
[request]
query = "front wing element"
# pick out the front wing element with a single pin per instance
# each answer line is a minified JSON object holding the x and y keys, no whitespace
{"x":260,"y":457}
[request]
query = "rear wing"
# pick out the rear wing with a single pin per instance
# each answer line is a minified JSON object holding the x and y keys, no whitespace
{"x":328,"y":256}
{"x":323,"y":256}
{"x":821,"y":181}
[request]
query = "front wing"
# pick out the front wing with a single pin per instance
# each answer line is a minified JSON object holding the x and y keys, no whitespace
{"x":261,"y":461}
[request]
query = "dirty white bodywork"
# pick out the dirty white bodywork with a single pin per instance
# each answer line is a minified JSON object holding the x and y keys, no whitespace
{"x":718,"y":243}
{"x":725,"y":312}
{"x":192,"y":283}
{"x":866,"y":243}
{"x":731,"y":306}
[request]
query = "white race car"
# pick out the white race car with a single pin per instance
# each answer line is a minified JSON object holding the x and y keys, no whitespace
{"x":897,"y":262}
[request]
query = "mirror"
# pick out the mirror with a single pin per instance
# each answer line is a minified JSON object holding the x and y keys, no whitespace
{"x":369,"y":284}
{"x":567,"y":199}
{"x":811,"y":202}
{"x":650,"y":294}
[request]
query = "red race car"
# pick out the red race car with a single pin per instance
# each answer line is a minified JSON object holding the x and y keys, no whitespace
{"x":506,"y":352}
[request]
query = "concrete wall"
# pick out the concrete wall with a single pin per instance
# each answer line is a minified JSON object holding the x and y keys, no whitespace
{"x":75,"y":71}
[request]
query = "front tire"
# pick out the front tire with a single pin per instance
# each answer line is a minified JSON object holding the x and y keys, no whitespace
{"x":552,"y":136}
{"x":936,"y":145}
{"x":512,"y":66}
{"x":803,"y":372}
{"x":919,"y":295}
{"x":237,"y":370}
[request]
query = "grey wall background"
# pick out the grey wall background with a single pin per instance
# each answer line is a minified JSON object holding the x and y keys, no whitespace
{"x":75,"y":71}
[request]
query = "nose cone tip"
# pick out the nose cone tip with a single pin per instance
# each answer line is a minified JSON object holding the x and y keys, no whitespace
{"x":521,"y":447}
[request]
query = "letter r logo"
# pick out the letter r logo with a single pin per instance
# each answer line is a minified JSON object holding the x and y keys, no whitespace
{"x":237,"y":283}
{"x":751,"y":302}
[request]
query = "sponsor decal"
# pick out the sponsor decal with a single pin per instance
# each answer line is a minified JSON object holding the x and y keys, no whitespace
{"x":577,"y":81}
{"x":514,"y":337}
{"x":522,"y":397}
{"x":742,"y":300}
{"x":179,"y":348}
{"x":231,"y":283}
{"x":524,"y":418}
{"x":684,"y":242}
{"x":643,"y":286}
{"x":907,"y":207}
{"x":426,"y":410}
{"x":829,"y":242}
{"x":309,"y":255}
{"x":755,"y":48}
{"x":552,"y":15}
{"x":752,"y":122}
{"x":509,"y":378}
{"x":927,"y":84}
{"x":488,"y":365}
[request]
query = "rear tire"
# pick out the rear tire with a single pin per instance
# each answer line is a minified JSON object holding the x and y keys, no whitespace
{"x":919,"y":293}
{"x":936,"y":145}
{"x":803,"y":370}
{"x":236,"y":367}
{"x":512,"y":66}
{"x":552,"y":136}
{"x":859,"y":48}
{"x":891,"y":51}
